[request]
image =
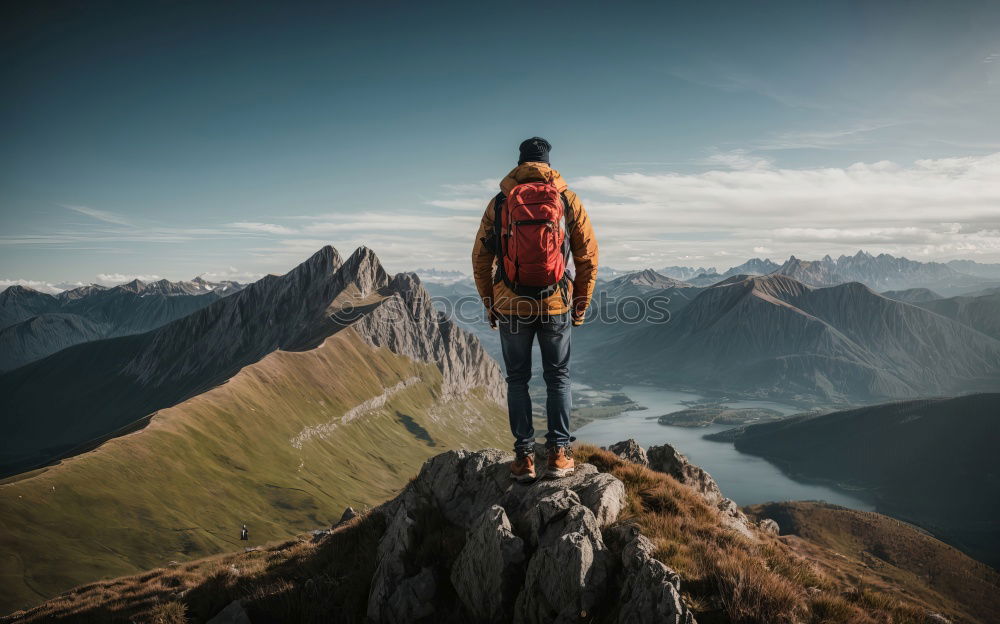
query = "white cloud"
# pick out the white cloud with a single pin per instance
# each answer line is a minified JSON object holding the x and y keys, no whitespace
{"x":100,"y":215}
{"x":111,"y":279}
{"x":929,"y":209}
{"x":486,"y":186}
{"x":932,"y":208}
{"x":740,"y":159}
{"x":474,"y":203}
{"x":231,"y":274}
{"x":45,"y":287}
{"x":858,"y":134}
{"x":391,"y":222}
{"x":264,"y":228}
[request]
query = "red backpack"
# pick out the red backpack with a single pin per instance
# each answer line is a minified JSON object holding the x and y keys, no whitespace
{"x":531,"y":240}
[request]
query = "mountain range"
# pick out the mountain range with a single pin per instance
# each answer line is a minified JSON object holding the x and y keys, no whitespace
{"x":35,"y":324}
{"x":881,"y":272}
{"x":276,"y":407}
{"x":775,"y":336}
{"x":770,"y":335}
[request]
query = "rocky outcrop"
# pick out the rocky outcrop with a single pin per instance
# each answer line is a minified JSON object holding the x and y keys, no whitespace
{"x":769,"y":526}
{"x":485,"y":573}
{"x":666,"y":459}
{"x":407,"y":323}
{"x":530,"y":552}
{"x":650,"y":591}
{"x":348,"y":515}
{"x":629,"y":450}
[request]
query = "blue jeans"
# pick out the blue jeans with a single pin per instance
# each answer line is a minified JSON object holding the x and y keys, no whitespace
{"x":516,"y":337}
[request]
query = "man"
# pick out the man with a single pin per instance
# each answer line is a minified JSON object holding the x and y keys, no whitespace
{"x":527,"y":235}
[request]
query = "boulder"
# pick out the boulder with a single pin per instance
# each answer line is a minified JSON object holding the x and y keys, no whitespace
{"x":568,"y":572}
{"x":604,"y":495}
{"x":629,"y":450}
{"x":769,"y":526}
{"x":486,"y":572}
{"x":462,"y":484}
{"x":348,"y":515}
{"x":650,"y":591}
{"x":394,"y":595}
{"x":666,"y":459}
{"x":556,"y":515}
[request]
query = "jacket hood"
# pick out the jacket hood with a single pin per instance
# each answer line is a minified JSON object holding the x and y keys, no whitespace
{"x":532,"y":172}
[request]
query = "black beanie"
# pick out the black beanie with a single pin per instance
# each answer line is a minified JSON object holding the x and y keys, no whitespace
{"x":535,"y":149}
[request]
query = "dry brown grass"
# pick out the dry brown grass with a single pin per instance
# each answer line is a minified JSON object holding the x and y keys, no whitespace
{"x":729,"y":578}
{"x":293,"y":581}
{"x":169,"y":613}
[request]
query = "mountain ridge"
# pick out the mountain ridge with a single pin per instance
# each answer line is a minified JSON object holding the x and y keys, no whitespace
{"x":775,"y":336}
{"x":192,"y":354}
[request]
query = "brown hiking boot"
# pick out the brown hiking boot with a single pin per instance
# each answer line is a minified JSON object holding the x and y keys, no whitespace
{"x":560,"y":463}
{"x":523,"y":468}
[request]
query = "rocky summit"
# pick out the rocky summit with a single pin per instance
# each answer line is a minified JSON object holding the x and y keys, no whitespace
{"x":532,"y":552}
{"x":633,"y":536}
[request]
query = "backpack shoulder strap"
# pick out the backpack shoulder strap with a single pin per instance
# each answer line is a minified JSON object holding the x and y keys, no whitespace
{"x":568,"y":211}
{"x":498,"y":239}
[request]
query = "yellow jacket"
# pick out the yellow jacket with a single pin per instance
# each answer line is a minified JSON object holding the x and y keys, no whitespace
{"x":496,"y":295}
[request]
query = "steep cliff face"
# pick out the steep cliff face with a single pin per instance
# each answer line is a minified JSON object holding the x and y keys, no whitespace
{"x":406,"y":322}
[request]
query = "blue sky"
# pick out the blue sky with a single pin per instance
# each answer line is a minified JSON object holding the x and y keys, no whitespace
{"x":233,"y":139}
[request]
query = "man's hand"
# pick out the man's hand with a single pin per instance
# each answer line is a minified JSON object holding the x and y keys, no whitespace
{"x":578,"y":318}
{"x":491,"y":317}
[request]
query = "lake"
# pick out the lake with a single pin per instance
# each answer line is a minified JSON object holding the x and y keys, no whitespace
{"x":746,"y":479}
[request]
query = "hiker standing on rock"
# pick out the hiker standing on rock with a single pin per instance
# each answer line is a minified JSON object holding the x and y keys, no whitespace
{"x":528,"y":234}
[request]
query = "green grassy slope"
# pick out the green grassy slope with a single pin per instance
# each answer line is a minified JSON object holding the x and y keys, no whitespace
{"x":181,"y":487}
